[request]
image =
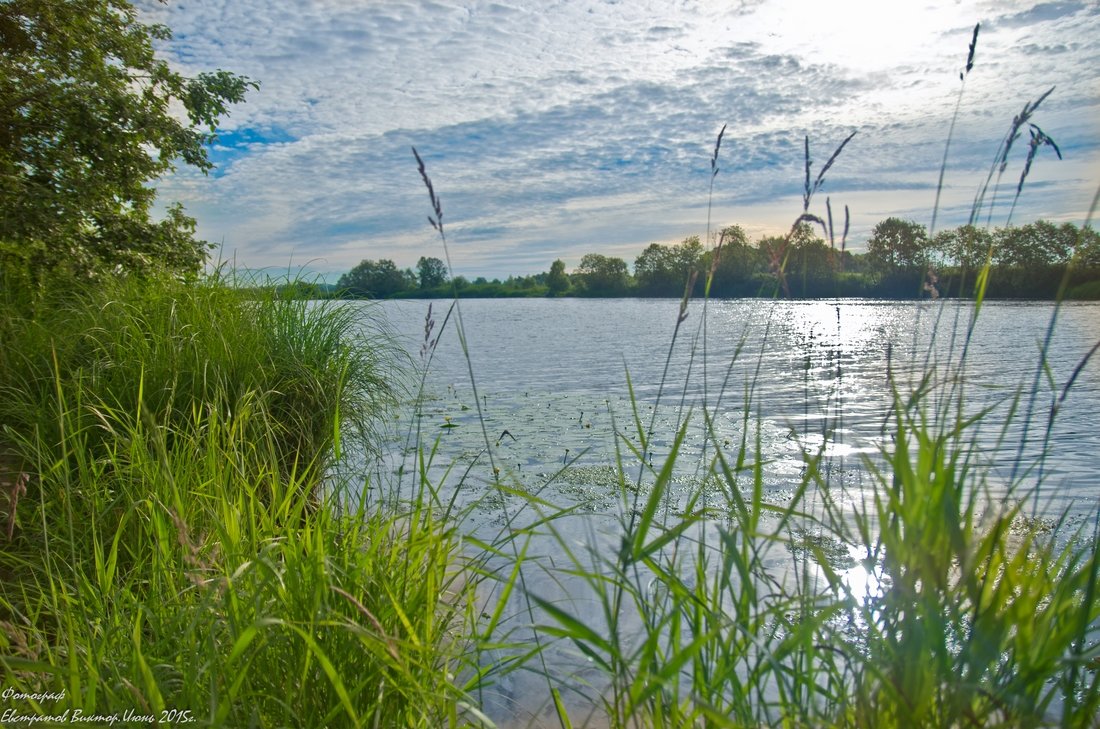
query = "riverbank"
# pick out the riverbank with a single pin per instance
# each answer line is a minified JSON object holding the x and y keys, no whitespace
{"x":1048,"y":286}
{"x":172,"y":545}
{"x":1040,"y":260}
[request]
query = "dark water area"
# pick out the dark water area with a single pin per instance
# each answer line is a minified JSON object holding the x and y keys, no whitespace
{"x":799,"y":377}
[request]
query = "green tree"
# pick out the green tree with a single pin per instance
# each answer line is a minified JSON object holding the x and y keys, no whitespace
{"x":664,"y":270}
{"x":966,"y":246}
{"x":773,"y":250}
{"x":376,"y":279}
{"x":1086,"y":252}
{"x":431,"y":272}
{"x":738,"y":262}
{"x":604,"y":275}
{"x":86,"y":123}
{"x":811,"y":263}
{"x":557,"y":280}
{"x":1030,"y":260}
{"x":898,"y":246}
{"x":1037,"y":244}
{"x":899,"y":259}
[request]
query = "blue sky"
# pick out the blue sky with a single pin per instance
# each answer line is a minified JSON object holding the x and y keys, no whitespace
{"x":555,"y":129}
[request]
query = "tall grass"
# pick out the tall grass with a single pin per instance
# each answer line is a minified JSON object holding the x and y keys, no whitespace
{"x":175,"y":556}
{"x":166,"y":347}
{"x":722,"y":608}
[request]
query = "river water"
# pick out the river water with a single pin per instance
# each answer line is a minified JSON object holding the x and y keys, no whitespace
{"x":551,"y":380}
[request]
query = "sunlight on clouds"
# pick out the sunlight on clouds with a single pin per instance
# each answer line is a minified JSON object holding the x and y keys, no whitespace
{"x":553,"y":130}
{"x":864,"y":34}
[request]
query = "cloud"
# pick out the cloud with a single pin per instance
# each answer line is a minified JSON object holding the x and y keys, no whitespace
{"x":1045,"y":13}
{"x":556,"y":130}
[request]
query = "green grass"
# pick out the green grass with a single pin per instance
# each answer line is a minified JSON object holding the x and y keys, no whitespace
{"x":176,"y":548}
{"x":165,"y":348}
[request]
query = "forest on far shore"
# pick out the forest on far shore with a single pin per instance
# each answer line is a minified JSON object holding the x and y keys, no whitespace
{"x":902,"y":261}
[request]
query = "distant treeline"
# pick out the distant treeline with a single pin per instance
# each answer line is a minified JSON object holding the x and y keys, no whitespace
{"x":902,"y":261}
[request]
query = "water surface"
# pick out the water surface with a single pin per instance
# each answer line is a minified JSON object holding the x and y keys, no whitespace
{"x":800,"y":377}
{"x":553,"y":373}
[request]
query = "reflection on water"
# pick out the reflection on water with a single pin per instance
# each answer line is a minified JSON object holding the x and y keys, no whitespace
{"x":552,"y":373}
{"x":864,"y":580}
{"x":798,"y":380}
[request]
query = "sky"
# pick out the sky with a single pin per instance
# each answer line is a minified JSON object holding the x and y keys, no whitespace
{"x":552,"y":129}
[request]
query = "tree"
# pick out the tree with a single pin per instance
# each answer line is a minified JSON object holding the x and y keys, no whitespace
{"x":86,"y":123}
{"x":604,"y":275}
{"x":1086,"y":252}
{"x":1030,"y":260}
{"x":431,"y":272}
{"x":898,"y":245}
{"x":377,"y":279}
{"x":966,"y":246}
{"x":557,"y":280}
{"x":810,"y":261}
{"x":773,"y":251}
{"x":1037,"y":244}
{"x":738,"y":261}
{"x":664,"y":270}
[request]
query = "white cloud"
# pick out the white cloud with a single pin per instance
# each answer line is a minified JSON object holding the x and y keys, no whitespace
{"x":551,"y":130}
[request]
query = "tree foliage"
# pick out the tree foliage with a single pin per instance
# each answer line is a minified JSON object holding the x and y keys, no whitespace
{"x":966,"y":246}
{"x":811,"y":263}
{"x":1032,"y":261}
{"x":738,"y":260}
{"x":1086,"y":251}
{"x":557,"y":280}
{"x":377,"y":279}
{"x":664,"y":270}
{"x":604,"y":275}
{"x":431,"y":272}
{"x":1041,"y":243}
{"x":898,"y":245}
{"x":86,"y":124}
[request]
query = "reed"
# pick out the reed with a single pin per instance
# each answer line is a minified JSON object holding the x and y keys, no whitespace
{"x":722,"y":608}
{"x":164,"y":347}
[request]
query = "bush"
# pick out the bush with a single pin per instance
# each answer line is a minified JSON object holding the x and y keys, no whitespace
{"x":1088,"y":291}
{"x":162,"y":350}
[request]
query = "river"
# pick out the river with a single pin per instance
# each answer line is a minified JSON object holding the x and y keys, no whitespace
{"x":799,"y":377}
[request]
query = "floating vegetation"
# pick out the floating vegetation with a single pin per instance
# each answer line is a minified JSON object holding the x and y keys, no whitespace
{"x":1024,"y":525}
{"x":594,"y":487}
{"x":825,"y":549}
